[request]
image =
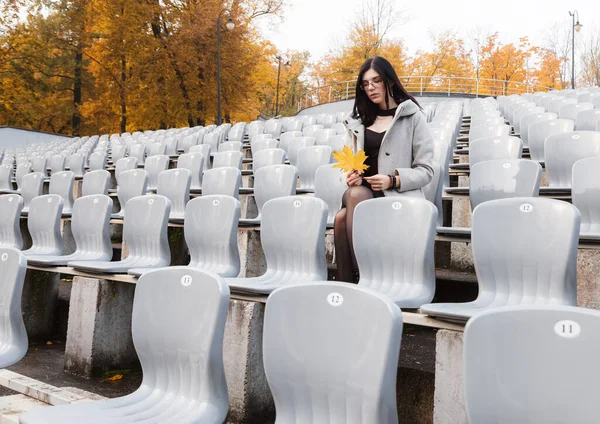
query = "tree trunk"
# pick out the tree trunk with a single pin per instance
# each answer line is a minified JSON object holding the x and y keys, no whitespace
{"x":77,"y":84}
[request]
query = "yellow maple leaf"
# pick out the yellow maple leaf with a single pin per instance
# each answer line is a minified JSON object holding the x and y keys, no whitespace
{"x":349,"y":161}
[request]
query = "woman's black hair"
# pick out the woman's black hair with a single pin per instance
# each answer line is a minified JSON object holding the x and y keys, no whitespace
{"x":364,"y":108}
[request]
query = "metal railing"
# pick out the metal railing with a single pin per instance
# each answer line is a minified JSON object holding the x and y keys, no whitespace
{"x":424,"y":85}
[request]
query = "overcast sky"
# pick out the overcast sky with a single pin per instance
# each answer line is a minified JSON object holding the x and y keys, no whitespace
{"x":315,"y":25}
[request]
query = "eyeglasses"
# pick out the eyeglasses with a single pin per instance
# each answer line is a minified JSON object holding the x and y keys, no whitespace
{"x":376,"y":83}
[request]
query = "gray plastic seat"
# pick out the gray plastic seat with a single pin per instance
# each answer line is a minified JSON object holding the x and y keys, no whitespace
{"x":295,"y":145}
{"x":40,"y":164}
{"x":210,"y":230}
{"x":138,"y":151}
{"x":271,"y":182}
{"x":193,"y":162}
{"x":95,"y":182}
{"x":125,"y":164}
{"x":532,"y":364}
{"x":155,"y":149}
{"x":154,"y":166}
{"x":76,"y":164}
{"x":286,"y":137}
{"x":171,"y":147}
{"x":23,"y":169}
{"x":505,"y":232}
{"x":98,"y":161}
{"x":228,"y":146}
{"x":144,"y":232}
{"x":520,"y":112}
{"x":490,"y":148}
{"x":528,"y":120}
{"x":206,"y":151}
{"x":13,"y":338}
{"x":90,"y":227}
{"x":118,"y":151}
{"x":308,"y":161}
{"x":393,"y":244}
{"x":43,"y":223}
{"x":330,"y":188}
{"x":228,"y":159}
{"x":539,"y":131}
{"x":481,"y":131}
{"x":500,"y":179}
{"x":572,"y":111}
{"x":213,"y":140}
{"x":225,"y":181}
{"x":267,"y":157}
{"x":187,"y":143}
{"x":563,"y":150}
{"x":587,"y":120}
{"x":133,"y":183}
{"x":325,"y":360}
{"x":56,"y":164}
{"x":292,"y":235}
{"x":263,"y":144}
{"x":556,"y":104}
{"x":6,"y":177}
{"x":32,"y":186}
{"x":175,"y":310}
{"x":61,"y":183}
{"x":585,"y":190}
{"x":10,"y":215}
{"x":174,"y":184}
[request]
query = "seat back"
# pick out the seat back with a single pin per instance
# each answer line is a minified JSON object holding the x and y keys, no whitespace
{"x":40,"y":164}
{"x":286,"y":137}
{"x":480,"y":131}
{"x":587,"y":120}
{"x":10,"y":217}
{"x":43,"y":223}
{"x":225,"y":181}
{"x":174,"y":184}
{"x":171,"y":147}
{"x":133,"y":184}
{"x":181,"y":309}
{"x":23,"y":169}
{"x":347,"y":370}
{"x":187,"y":143}
{"x":213,"y":140}
{"x":274,"y":181}
{"x":393,"y":244}
{"x":523,"y":111}
{"x":123,"y":165}
{"x":138,"y":151}
{"x":586,"y":193}
{"x":32,"y":186}
{"x":288,"y":250}
{"x":527,"y":120}
{"x":75,"y":163}
{"x":56,"y":164}
{"x":532,"y":364}
{"x":539,"y":131}
{"x":61,"y":183}
{"x":90,"y":225}
{"x":563,"y":150}
{"x":309,"y":160}
{"x":13,"y":338}
{"x":295,"y":145}
{"x":210,"y":229}
{"x":267,"y":157}
{"x":145,"y":230}
{"x":490,"y":148}
{"x":330,"y":188}
{"x":231,"y":159}
{"x":98,"y":161}
{"x":95,"y":182}
{"x":499,"y":179}
{"x":6,"y":176}
{"x":205,"y":150}
{"x":194,"y":163}
{"x":228,"y":146}
{"x":545,"y":231}
{"x":154,"y":166}
{"x":572,"y":111}
{"x":155,"y":149}
{"x":118,"y":151}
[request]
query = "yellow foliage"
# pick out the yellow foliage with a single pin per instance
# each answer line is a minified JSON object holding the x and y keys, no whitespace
{"x":348,"y":161}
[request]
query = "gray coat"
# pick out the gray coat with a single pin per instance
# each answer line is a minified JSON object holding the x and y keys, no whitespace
{"x":406,"y":149}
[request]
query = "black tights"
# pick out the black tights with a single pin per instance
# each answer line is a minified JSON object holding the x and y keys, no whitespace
{"x":342,"y":229}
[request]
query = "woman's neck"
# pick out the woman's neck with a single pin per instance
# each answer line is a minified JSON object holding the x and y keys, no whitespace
{"x":392,"y":104}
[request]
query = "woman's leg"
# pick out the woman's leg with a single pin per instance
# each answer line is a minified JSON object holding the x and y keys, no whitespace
{"x":344,"y":250}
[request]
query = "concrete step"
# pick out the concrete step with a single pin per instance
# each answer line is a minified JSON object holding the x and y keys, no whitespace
{"x":11,"y":407}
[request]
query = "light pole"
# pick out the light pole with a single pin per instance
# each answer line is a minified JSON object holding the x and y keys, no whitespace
{"x":287,"y":66}
{"x":230,"y":25}
{"x":576,"y":27}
